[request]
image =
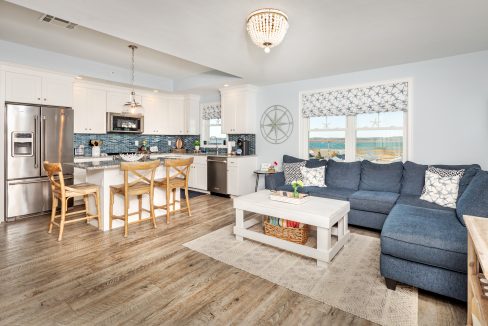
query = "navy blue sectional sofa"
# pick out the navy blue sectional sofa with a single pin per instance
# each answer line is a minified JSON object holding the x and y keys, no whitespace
{"x":422,"y":244}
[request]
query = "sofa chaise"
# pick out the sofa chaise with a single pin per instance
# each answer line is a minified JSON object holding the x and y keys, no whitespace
{"x":422,"y":244}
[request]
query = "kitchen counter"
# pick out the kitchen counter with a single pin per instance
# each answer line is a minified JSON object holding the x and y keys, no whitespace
{"x":111,"y":164}
{"x":108,"y":173}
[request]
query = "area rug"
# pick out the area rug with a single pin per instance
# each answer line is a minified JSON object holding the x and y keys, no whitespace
{"x":351,"y":282}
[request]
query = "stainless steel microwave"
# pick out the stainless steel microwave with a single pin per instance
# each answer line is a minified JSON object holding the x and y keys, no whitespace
{"x":125,"y":123}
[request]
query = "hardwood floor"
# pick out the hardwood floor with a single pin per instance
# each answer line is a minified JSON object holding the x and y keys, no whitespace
{"x":93,"y":277}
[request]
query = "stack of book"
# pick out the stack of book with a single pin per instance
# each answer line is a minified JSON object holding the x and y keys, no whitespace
{"x":284,"y":223}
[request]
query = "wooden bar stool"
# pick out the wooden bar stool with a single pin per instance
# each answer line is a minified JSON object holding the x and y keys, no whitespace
{"x":64,"y":193}
{"x":174,"y":181}
{"x":141,"y":185}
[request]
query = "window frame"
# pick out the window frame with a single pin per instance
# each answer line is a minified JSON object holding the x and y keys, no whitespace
{"x":205,"y":134}
{"x":351,"y":129}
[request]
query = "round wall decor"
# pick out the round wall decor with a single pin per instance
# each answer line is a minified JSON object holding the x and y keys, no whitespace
{"x":276,"y":124}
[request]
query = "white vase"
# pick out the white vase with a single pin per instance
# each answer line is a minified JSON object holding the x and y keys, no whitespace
{"x":197,"y":148}
{"x":96,"y":151}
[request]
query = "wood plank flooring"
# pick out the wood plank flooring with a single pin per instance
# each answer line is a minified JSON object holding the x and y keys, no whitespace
{"x":97,"y":278}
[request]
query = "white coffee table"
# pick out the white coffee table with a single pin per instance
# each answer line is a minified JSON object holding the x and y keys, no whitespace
{"x":328,"y":215}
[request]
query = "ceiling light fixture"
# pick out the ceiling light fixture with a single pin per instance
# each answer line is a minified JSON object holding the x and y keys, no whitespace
{"x":133,"y":107}
{"x":79,"y":77}
{"x":267,"y":27}
{"x":226,"y":85}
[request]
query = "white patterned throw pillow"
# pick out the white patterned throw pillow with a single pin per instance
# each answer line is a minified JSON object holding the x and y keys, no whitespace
{"x":292,"y":172}
{"x":441,"y":186}
{"x":313,"y":176}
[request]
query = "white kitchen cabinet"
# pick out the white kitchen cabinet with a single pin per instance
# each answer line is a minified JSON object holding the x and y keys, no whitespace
{"x":89,"y":106}
{"x":38,"y":88}
{"x":240,"y":175}
{"x":176,"y":111}
{"x":57,"y":90}
{"x":117,"y":99}
{"x":192,"y":114}
{"x":238,"y":105}
{"x":155,"y":115}
{"x":23,"y":88}
{"x":198,"y":173}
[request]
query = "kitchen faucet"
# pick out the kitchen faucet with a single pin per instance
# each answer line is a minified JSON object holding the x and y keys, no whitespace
{"x":216,"y":144}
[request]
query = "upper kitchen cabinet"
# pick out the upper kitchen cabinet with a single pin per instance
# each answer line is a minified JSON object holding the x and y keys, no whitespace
{"x":23,"y":88}
{"x":117,"y":99}
{"x":192,"y":114}
{"x":156,"y":114}
{"x":38,"y":88}
{"x":238,"y":105}
{"x":89,"y":110}
{"x":176,"y":115}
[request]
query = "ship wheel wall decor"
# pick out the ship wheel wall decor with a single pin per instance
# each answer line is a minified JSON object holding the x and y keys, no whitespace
{"x":276,"y":124}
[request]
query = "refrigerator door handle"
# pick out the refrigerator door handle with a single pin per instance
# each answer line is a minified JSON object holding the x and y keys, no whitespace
{"x":44,"y":137}
{"x":36,"y":163}
{"x":22,"y":182}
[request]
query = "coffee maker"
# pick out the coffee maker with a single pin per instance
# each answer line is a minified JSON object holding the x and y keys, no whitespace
{"x":242,"y":147}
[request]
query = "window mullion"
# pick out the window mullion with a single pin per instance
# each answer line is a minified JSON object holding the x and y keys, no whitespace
{"x":351,"y":139}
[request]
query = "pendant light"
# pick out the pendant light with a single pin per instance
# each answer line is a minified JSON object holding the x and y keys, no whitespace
{"x":133,"y":107}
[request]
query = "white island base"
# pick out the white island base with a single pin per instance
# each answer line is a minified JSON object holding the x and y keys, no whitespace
{"x":106,"y":177}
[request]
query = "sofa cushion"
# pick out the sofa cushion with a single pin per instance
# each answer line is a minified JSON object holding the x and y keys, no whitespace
{"x":413,"y":178}
{"x":428,"y":236}
{"x":329,"y":192}
{"x":293,"y":172}
{"x":313,"y":176}
{"x":414,"y":200}
{"x":474,"y":200}
{"x":312,"y":163}
{"x":373,"y":201}
{"x":315,"y":163}
{"x":469,"y":173}
{"x":442,"y":186}
{"x":292,"y":159}
{"x":370,"y":220}
{"x":343,"y":175}
{"x":381,"y":177}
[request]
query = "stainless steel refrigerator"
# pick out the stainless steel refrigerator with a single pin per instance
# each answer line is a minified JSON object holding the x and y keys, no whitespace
{"x":35,"y":134}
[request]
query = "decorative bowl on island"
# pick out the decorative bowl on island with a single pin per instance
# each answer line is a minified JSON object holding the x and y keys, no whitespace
{"x":131,"y":157}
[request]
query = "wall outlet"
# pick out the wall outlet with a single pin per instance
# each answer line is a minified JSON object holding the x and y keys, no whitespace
{"x":169,"y":142}
{"x":136,"y":143}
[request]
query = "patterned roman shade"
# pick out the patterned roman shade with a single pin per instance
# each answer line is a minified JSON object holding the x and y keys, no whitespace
{"x":387,"y":97}
{"x":210,"y":111}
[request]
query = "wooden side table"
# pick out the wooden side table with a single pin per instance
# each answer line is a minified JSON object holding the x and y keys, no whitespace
{"x":259,"y":173}
{"x":477,"y":268}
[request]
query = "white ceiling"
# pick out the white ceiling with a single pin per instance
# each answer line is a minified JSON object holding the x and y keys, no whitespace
{"x":326,"y":37}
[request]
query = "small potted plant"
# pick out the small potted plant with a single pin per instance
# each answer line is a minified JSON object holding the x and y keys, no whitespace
{"x":296,"y":184}
{"x":272,"y":167}
{"x":196,"y":144}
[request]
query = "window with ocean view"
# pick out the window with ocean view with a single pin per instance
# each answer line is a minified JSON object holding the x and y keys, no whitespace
{"x":377,"y":137}
{"x":327,"y":137}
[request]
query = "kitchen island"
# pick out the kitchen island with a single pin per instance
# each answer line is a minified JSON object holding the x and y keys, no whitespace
{"x":106,"y":174}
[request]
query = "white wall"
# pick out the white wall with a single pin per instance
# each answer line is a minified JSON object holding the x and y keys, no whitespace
{"x":449,"y":121}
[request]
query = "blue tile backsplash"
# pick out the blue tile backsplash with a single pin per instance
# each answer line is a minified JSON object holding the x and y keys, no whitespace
{"x":124,"y":143}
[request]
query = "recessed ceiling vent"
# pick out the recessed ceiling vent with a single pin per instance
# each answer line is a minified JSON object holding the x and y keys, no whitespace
{"x":57,"y":21}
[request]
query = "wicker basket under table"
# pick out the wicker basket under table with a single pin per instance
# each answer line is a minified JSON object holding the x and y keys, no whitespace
{"x":296,"y":235}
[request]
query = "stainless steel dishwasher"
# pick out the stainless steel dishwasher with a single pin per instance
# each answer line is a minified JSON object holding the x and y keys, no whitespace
{"x":217,"y":174}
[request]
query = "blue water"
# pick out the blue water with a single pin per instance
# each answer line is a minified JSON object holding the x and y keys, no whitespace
{"x":388,"y":145}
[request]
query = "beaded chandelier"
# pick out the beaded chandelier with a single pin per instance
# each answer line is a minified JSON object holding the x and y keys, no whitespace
{"x":267,"y":27}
